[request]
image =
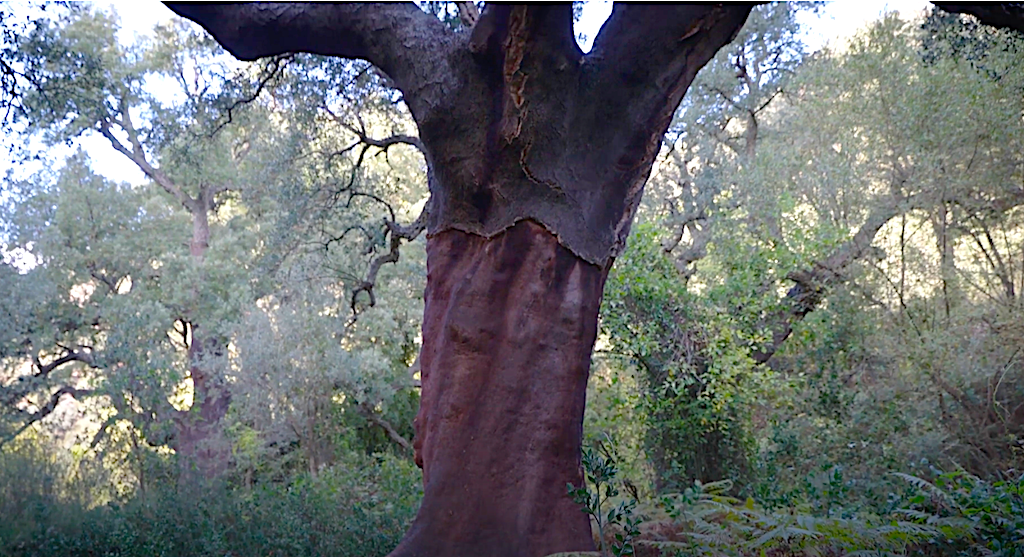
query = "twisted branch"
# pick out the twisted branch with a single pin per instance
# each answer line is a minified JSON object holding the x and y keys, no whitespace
{"x":45,"y":411}
{"x":398,"y":233}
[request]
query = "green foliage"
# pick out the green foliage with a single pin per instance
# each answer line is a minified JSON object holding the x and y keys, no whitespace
{"x":601,"y":472}
{"x":710,"y":523}
{"x":956,"y":515}
{"x":993,"y":512}
{"x":698,"y":385}
{"x":40,"y":486}
{"x":360,"y":507}
{"x":72,"y":62}
{"x":880,"y":171}
{"x":692,"y":302}
{"x":245,"y":150}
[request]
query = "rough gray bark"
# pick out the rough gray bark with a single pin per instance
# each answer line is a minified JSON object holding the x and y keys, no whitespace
{"x":516,"y":124}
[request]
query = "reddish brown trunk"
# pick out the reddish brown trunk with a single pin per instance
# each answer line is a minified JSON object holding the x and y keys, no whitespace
{"x":203,"y":451}
{"x":509,"y":326}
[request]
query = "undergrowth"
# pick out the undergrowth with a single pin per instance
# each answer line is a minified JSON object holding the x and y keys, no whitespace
{"x":955,"y":515}
{"x":360,"y":507}
{"x":363,"y":505}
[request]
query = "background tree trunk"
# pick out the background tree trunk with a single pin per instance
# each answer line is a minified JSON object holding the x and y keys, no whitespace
{"x":203,"y":450}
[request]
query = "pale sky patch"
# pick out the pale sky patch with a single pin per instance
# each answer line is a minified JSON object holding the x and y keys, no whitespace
{"x":835,"y":22}
{"x":838,"y":21}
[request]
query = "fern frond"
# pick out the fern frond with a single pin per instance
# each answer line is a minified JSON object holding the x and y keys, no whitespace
{"x":915,"y":514}
{"x":925,"y":485}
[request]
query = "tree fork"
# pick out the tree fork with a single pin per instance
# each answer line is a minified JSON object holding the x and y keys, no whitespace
{"x":538,"y":154}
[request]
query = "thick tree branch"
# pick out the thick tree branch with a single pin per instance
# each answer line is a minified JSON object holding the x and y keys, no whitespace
{"x":631,"y":83}
{"x":377,"y":420}
{"x":1006,"y":15}
{"x":101,"y":433}
{"x":409,"y":45}
{"x":45,"y":411}
{"x":391,"y":141}
{"x":398,"y":233}
{"x":814,"y":283}
{"x":382,"y":144}
{"x":700,"y":237}
{"x":647,"y":55}
{"x":138,"y":156}
{"x":42,"y":370}
{"x":694,"y":219}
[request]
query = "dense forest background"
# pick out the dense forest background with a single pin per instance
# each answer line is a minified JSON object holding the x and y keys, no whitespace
{"x":812,"y":345}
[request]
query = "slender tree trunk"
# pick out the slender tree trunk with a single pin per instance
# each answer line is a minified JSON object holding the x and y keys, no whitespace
{"x":509,"y":326}
{"x":202,"y":448}
{"x":945,"y":239}
{"x":199,"y":437}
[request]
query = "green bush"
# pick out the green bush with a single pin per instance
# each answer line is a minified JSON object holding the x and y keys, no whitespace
{"x":691,"y":358}
{"x":360,"y":507}
{"x":991,"y":512}
{"x":957,"y":515}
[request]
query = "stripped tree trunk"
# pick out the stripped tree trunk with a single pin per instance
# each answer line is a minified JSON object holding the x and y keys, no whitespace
{"x":508,"y":329}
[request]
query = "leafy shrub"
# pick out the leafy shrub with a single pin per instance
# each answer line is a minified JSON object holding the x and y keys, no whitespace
{"x":992,"y":512}
{"x":360,"y":507}
{"x":708,"y":522}
{"x":957,"y":515}
{"x":601,"y":471}
{"x":692,"y":361}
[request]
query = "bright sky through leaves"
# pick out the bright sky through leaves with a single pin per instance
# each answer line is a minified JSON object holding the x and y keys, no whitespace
{"x":835,"y":21}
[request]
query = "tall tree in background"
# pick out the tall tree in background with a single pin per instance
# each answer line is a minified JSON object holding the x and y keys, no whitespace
{"x":133,"y":276}
{"x":538,"y":156}
{"x":702,"y":181}
{"x":85,"y":81}
{"x":801,"y":207}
